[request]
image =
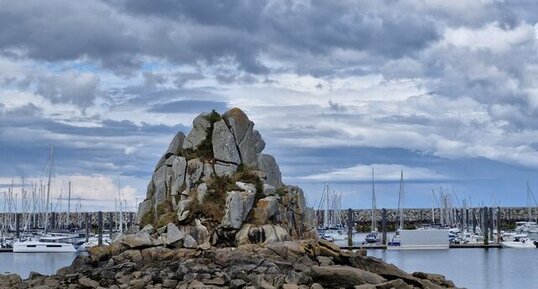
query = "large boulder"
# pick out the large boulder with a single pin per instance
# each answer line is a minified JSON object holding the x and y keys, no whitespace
{"x":195,"y":168}
{"x":174,"y":148}
{"x":224,"y":169}
{"x":343,"y":276}
{"x":173,"y":234}
{"x":161,"y":184}
{"x":265,"y":209}
{"x":238,"y":122}
{"x":145,"y":209}
{"x":224,"y":147}
{"x":179,"y":172}
{"x":238,"y":205}
{"x":135,"y":241}
{"x":267,"y":164}
{"x":198,"y":134}
{"x":252,"y":234}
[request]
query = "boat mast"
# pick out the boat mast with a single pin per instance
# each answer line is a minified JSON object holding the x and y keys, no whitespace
{"x":374,"y":222}
{"x":68,"y":205}
{"x":121,"y":211}
{"x":48,"y":189}
{"x":400,"y":202}
{"x":433,"y":206}
{"x":326,"y":211}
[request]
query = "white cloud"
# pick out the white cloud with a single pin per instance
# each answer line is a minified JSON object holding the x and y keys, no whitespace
{"x":383,"y":172}
{"x":491,"y":37}
{"x":96,"y":192}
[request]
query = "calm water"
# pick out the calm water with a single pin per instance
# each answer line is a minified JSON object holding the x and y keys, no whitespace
{"x":469,"y":268}
{"x":24,"y":263}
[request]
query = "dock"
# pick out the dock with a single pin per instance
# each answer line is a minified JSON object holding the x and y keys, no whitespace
{"x":451,"y":246}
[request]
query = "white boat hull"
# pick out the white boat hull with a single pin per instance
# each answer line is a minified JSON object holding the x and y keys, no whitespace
{"x":518,"y":245}
{"x":43,"y":247}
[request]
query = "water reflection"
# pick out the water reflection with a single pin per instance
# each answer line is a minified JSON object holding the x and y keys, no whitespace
{"x":471,"y":268}
{"x":24,"y":263}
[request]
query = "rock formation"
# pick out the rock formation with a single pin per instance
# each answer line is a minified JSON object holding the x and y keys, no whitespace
{"x":218,"y":180}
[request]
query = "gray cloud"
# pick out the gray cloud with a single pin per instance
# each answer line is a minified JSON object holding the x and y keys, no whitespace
{"x":80,"y":90}
{"x":191,"y":106}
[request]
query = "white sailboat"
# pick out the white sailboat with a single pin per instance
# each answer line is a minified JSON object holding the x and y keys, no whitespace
{"x":331,"y":229}
{"x":48,"y":243}
{"x":373,"y":236}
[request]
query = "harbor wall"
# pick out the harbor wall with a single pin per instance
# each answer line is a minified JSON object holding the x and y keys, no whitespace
{"x":417,"y":216}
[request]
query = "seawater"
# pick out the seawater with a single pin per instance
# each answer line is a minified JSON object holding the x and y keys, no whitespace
{"x":469,"y":268}
{"x":24,"y":263}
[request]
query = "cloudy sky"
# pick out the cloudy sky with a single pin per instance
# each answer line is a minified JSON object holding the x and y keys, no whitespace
{"x":444,"y":90}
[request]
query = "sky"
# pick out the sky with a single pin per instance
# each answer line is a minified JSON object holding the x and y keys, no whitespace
{"x":444,"y":91}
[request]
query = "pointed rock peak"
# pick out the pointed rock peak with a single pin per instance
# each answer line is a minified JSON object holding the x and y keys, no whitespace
{"x":240,"y":116}
{"x":239,"y":123}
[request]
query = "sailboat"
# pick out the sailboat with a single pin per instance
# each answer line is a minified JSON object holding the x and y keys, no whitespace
{"x":373,"y":236}
{"x":331,"y":229}
{"x":52,"y":243}
{"x":525,"y":232}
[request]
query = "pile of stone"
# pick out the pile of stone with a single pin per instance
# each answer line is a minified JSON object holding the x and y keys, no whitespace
{"x":216,"y":187}
{"x":137,"y":264}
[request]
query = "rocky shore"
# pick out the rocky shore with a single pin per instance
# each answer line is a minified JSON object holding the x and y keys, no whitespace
{"x":135,"y":262}
{"x":217,"y":215}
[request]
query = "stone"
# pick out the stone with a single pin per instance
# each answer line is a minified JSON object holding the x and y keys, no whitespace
{"x":246,"y":187}
{"x":343,"y":276}
{"x":195,"y":168}
{"x":144,"y":208}
{"x":162,"y":185}
{"x":176,"y":144}
{"x":259,"y":143}
{"x":383,"y":269}
{"x":393,"y":284}
{"x":169,"y":283}
{"x":269,"y":190}
{"x":224,"y":147}
{"x":173,"y":234}
{"x":209,"y":171}
{"x":238,"y":205}
{"x":179,"y":173}
{"x":201,"y":192}
{"x":85,"y":281}
{"x":324,"y":261}
{"x":265,"y":209}
{"x":198,"y":133}
{"x":364,"y":286}
{"x":316,"y":286}
{"x":267,"y":164}
{"x":238,"y":122}
{"x":201,"y":235}
{"x":189,"y":242}
{"x":237,"y":283}
{"x":224,"y":169}
{"x":290,"y":286}
{"x":434,"y":278}
{"x":183,"y":209}
{"x":247,"y":149}
{"x":251,"y":234}
{"x":138,"y":240}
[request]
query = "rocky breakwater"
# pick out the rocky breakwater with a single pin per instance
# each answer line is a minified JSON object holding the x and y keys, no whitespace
{"x":217,"y":215}
{"x":142,"y":261}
